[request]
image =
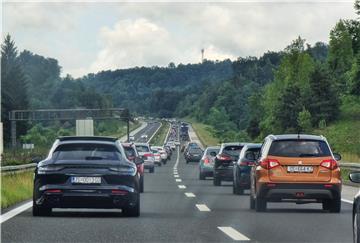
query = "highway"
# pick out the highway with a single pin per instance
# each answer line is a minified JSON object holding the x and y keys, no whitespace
{"x":177,"y":207}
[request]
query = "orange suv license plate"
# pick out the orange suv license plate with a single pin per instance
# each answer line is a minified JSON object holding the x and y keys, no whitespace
{"x":300,"y":169}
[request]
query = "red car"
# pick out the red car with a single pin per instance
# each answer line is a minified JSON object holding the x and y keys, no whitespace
{"x":132,"y":154}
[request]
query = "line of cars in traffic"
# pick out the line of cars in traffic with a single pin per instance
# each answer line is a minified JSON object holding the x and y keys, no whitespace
{"x":290,"y":168}
{"x":295,"y":168}
{"x":95,"y":172}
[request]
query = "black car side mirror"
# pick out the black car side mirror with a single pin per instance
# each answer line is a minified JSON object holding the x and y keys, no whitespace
{"x":337,"y":156}
{"x":213,"y":154}
{"x":138,"y":161}
{"x":35,"y":160}
{"x":250,"y":156}
{"x":355,"y":177}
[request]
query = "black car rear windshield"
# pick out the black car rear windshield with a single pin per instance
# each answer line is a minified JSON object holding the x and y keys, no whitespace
{"x":142,"y":148}
{"x":86,"y":151}
{"x":299,"y":148}
{"x":195,"y":151}
{"x":216,"y":150}
{"x":233,"y":150}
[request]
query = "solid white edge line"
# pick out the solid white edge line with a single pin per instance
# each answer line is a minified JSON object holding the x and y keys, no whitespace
{"x":233,"y":233}
{"x":347,"y":201}
{"x":189,"y":194}
{"x":15,"y":211}
{"x":203,"y":207}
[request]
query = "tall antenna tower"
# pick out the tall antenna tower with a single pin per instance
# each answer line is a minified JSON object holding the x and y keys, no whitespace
{"x":202,"y":55}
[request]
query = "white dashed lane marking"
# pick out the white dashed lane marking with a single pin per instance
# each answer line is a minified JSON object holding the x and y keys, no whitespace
{"x":178,"y":180}
{"x":181,"y":186}
{"x":233,"y":233}
{"x":203,"y":208}
{"x":189,"y":194}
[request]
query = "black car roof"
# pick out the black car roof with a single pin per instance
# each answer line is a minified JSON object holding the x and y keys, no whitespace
{"x":296,"y":136}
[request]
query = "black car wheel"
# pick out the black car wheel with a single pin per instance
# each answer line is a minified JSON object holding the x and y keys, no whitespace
{"x":217,"y":181}
{"x":356,"y":227}
{"x":237,"y":190}
{"x":151,"y":170}
{"x":141,"y":189}
{"x":187,"y":161}
{"x":40,"y":210}
{"x":335,"y":205}
{"x":260,"y":204}
{"x":132,"y":211}
{"x":201,"y":176}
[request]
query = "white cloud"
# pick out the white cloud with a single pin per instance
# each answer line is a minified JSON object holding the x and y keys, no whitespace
{"x":133,"y":42}
{"x":95,"y":36}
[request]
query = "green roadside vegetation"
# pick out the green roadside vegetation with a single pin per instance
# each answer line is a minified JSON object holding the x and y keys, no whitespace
{"x":16,"y":187}
{"x":158,"y":139}
{"x":204,"y":133}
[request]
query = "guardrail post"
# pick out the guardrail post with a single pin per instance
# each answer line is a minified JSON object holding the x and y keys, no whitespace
{"x":13,"y":134}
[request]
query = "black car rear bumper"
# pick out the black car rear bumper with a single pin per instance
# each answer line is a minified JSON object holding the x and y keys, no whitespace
{"x":87,"y":197}
{"x":296,"y":191}
{"x":224,"y":173}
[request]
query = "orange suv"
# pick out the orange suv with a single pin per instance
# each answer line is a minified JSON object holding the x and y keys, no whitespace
{"x":296,"y":168}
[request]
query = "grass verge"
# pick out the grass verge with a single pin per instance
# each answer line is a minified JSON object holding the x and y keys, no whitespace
{"x":16,"y":187}
{"x":204,"y":133}
{"x":158,"y":139}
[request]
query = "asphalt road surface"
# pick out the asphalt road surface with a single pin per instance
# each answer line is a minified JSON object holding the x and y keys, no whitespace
{"x":177,"y":207}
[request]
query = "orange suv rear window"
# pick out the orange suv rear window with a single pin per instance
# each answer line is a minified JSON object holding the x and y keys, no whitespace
{"x":299,"y":148}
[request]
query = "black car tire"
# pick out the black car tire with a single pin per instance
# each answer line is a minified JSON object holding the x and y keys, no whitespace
{"x":217,"y":181}
{"x":141,"y":189}
{"x":164,"y":161}
{"x":132,"y":211}
{"x":335,"y":205}
{"x":237,"y":190}
{"x":326,"y":204}
{"x":40,"y":210}
{"x":187,"y":161}
{"x":356,"y":228}
{"x":260,"y":204}
{"x":151,"y":170}
{"x":201,"y":176}
{"x":159,"y":164}
{"x":252,"y":202}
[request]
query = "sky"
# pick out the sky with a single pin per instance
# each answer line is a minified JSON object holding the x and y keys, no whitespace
{"x":88,"y":37}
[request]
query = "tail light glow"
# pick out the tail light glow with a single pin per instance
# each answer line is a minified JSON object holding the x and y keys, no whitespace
{"x":53,"y":191}
{"x":206,"y":160}
{"x":223,"y":157}
{"x":119,"y":192}
{"x":269,"y":163}
{"x":330,"y":164}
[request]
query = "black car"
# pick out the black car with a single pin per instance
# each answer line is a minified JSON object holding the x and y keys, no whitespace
{"x":223,"y":166}
{"x":355,"y":177}
{"x":86,"y":172}
{"x":193,"y":155}
{"x":242,"y":168}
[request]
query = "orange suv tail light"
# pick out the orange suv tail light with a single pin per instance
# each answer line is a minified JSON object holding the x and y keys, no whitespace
{"x":330,"y":164}
{"x":269,"y":163}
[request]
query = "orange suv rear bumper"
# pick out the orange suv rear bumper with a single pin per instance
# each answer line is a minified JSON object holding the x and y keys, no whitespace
{"x":297,"y":191}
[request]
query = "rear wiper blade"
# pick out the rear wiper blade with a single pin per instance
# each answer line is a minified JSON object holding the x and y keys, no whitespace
{"x":308,"y":155}
{"x":93,"y":158}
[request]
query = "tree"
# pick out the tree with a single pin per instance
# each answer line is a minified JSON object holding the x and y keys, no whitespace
{"x":324,"y":101}
{"x":340,"y":54}
{"x":13,"y":87}
{"x":304,"y":121}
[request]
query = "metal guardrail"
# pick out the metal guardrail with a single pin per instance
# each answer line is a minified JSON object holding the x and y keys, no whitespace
{"x":350,"y":166}
{"x":17,"y":168}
